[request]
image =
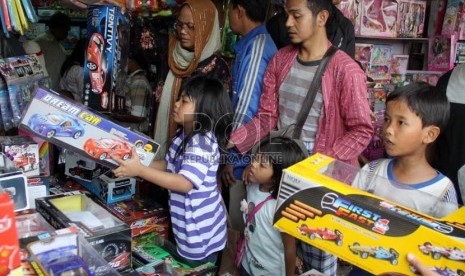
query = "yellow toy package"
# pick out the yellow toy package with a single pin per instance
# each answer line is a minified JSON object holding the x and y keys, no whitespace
{"x":317,"y":205}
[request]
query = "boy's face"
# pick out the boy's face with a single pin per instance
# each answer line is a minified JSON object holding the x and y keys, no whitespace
{"x":403,"y":131}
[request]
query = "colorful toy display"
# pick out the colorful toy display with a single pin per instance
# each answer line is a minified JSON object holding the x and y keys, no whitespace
{"x":96,"y":63}
{"x":411,"y":18}
{"x":441,"y":52}
{"x":379,"y":18}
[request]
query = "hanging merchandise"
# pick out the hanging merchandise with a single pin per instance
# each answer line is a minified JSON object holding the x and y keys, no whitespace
{"x":15,"y":15}
{"x":159,"y":6}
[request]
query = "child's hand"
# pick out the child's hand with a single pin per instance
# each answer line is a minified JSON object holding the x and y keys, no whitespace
{"x":245,"y":175}
{"x":128,"y":168}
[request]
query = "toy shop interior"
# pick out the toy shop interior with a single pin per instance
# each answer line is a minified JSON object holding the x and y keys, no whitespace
{"x":113,"y":163}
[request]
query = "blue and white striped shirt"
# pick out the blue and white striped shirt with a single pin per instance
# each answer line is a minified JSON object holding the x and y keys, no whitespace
{"x":198,"y":217}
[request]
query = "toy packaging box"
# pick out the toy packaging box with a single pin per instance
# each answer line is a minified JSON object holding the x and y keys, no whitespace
{"x":110,"y":189}
{"x":411,"y":18}
{"x":441,"y":52}
{"x":80,"y":167}
{"x":73,"y":126}
{"x":380,"y":63}
{"x":9,"y":245}
{"x":352,"y":10}
{"x":106,"y":56}
{"x":450,"y":17}
{"x":363,"y":53}
{"x":460,"y":52}
{"x":45,"y":152}
{"x":379,"y":18}
{"x":37,"y":187}
{"x":316,"y":204}
{"x":13,"y":183}
{"x":399,"y":64}
{"x":106,"y":233}
{"x":23,"y":151}
{"x":142,"y":216}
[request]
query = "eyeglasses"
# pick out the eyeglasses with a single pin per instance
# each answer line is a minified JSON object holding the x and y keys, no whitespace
{"x":179,"y":25}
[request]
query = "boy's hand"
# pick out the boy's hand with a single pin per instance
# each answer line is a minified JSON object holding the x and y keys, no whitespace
{"x":421,"y":268}
{"x":128,"y":168}
{"x":227,"y":176}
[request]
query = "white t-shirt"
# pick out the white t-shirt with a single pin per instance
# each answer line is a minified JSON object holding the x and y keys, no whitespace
{"x":73,"y":81}
{"x":264,"y":251}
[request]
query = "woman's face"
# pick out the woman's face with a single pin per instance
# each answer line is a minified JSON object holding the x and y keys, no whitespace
{"x":185,"y":28}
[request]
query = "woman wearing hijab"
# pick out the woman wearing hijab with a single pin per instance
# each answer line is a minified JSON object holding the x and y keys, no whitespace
{"x":193,"y":51}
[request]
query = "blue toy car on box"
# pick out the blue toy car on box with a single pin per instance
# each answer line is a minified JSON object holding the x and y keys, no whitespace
{"x":51,"y":125}
{"x":64,"y":261}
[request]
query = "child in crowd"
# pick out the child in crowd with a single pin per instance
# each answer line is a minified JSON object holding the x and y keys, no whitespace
{"x":266,"y":249}
{"x":203,"y":110}
{"x":415,"y":116}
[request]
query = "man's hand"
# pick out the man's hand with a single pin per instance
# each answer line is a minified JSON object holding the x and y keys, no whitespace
{"x":227,"y":176}
{"x":129,"y":168}
{"x":421,"y":268}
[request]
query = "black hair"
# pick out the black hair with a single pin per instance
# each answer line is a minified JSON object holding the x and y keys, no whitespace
{"x":76,"y":57}
{"x":281,"y":152}
{"x":316,"y":6}
{"x":58,"y":20}
{"x":213,"y":109}
{"x":425,"y":101}
{"x":254,"y":9}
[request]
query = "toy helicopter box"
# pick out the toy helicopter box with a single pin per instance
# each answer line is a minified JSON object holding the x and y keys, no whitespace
{"x":106,"y":56}
{"x":317,"y":206}
{"x":106,"y":233}
{"x":73,"y":126}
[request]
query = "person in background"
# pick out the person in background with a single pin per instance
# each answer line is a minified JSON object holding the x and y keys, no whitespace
{"x":415,"y":116}
{"x":198,"y":216}
{"x":276,"y":25}
{"x":266,"y":248}
{"x":339,"y":122}
{"x":138,"y":93}
{"x":52,"y":50}
{"x":193,"y":51}
{"x":253,"y":51}
{"x":448,"y":155}
{"x":72,"y":72}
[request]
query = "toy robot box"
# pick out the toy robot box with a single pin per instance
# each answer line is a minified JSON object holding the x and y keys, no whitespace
{"x":73,"y":126}
{"x":106,"y":233}
{"x":317,"y":206}
{"x":106,"y":56}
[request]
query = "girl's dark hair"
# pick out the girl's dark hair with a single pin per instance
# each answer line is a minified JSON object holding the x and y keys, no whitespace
{"x":76,"y":57}
{"x":281,"y":152}
{"x":212,"y":107}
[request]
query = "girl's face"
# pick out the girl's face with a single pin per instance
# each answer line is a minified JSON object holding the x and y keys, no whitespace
{"x":185,"y":27}
{"x":184,"y":111}
{"x":261,"y":171}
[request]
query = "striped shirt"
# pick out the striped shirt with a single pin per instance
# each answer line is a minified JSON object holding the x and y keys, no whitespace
{"x":198,"y":217}
{"x":292,"y":94}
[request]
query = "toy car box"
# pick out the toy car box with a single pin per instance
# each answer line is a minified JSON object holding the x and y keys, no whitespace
{"x":45,"y":153}
{"x":9,"y":245}
{"x":317,"y":206}
{"x":106,"y":233}
{"x":142,"y":216}
{"x":72,"y":126}
{"x":106,"y":56}
{"x":80,"y":167}
{"x":69,"y":254}
{"x":110,"y":190}
{"x":37,"y":187}
{"x":14,"y":183}
{"x":23,"y":151}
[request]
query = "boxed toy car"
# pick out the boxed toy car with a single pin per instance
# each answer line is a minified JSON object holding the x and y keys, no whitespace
{"x":14,"y":183}
{"x":110,"y":190}
{"x":9,"y":245}
{"x":30,"y":223}
{"x":80,"y":167}
{"x":73,"y":126}
{"x":45,"y":153}
{"x":37,"y":187}
{"x":142,"y":216}
{"x":106,"y":56}
{"x":106,"y":233}
{"x":23,"y":151}
{"x":316,"y":204}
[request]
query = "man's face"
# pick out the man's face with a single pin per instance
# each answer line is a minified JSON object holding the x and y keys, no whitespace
{"x":301,"y":23}
{"x":233,"y":18}
{"x":61,"y":32}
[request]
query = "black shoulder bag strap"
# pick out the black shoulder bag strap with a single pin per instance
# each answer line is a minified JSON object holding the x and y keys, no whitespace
{"x":315,"y":86}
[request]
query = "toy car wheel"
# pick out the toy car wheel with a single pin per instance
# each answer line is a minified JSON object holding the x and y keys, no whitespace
{"x":126,"y":156}
{"x":82,"y":176}
{"x":364,"y":255}
{"x":394,"y":261}
{"x":77,"y":134}
{"x":92,"y":66}
{"x":312,"y":236}
{"x":50,"y":133}
{"x":436,"y":255}
{"x":139,"y":144}
{"x":460,"y":272}
{"x":72,"y":172}
{"x":103,"y":156}
{"x":339,"y":242}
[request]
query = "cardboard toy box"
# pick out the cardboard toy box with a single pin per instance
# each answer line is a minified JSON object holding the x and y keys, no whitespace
{"x":72,"y":126}
{"x":23,"y":151}
{"x":110,"y":190}
{"x":80,"y":167}
{"x":142,"y":216}
{"x":106,"y":233}
{"x":106,"y":56}
{"x":316,"y":206}
{"x":9,"y":245}
{"x":13,"y":183}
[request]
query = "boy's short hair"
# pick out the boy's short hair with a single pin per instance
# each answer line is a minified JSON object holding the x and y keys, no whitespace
{"x":254,"y":9}
{"x":59,"y":20}
{"x":425,"y":101}
{"x":316,"y":6}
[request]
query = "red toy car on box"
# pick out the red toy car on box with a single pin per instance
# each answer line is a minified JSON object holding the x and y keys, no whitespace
{"x":97,"y":62}
{"x":321,"y":233}
{"x":106,"y":148}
